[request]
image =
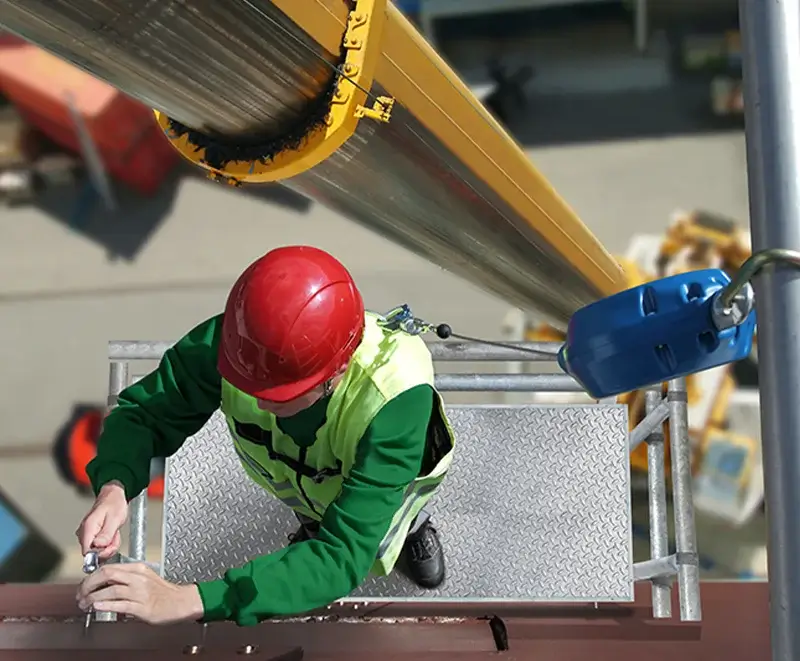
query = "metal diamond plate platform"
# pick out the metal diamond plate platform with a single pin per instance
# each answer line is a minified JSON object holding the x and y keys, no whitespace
{"x":536,"y":507}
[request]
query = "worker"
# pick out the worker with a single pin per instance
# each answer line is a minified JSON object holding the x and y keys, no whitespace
{"x":330,"y":410}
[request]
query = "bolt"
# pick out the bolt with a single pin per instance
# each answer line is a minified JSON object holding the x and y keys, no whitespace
{"x":248,"y":649}
{"x":740,"y":308}
{"x":192,"y":649}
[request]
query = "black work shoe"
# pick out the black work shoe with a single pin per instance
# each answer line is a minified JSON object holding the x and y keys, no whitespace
{"x":423,"y":557}
{"x":302,"y":534}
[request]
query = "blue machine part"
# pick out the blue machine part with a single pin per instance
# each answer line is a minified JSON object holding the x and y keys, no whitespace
{"x":408,"y":6}
{"x":12,"y":533}
{"x":649,"y":334}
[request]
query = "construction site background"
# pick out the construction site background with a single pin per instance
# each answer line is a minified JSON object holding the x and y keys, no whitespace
{"x":627,"y":138}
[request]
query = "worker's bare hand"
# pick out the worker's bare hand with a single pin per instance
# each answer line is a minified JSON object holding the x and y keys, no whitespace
{"x":99,"y":530}
{"x":135,"y":589}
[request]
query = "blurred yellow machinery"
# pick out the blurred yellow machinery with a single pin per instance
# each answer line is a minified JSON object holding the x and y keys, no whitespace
{"x":700,"y":240}
{"x":694,"y":240}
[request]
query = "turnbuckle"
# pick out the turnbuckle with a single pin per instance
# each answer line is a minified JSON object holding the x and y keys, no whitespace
{"x":402,"y":318}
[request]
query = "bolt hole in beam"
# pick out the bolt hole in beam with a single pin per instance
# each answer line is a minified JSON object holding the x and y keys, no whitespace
{"x":295,"y":654}
{"x":499,"y":633}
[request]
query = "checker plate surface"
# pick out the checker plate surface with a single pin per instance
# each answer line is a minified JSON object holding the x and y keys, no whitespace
{"x":536,"y":507}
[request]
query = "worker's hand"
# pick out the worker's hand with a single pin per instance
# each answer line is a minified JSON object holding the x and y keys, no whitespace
{"x":99,"y":530}
{"x":135,"y":589}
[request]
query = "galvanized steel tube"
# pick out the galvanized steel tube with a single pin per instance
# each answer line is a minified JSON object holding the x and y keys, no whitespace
{"x":506,"y":383}
{"x":119,"y":379}
{"x":770,"y":47}
{"x":657,"y":501}
{"x":685,"y":532}
{"x":440,"y":351}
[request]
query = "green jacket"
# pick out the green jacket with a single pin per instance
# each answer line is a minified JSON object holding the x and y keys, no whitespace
{"x":156,"y":415}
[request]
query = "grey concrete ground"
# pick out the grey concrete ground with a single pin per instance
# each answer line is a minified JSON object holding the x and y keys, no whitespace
{"x":61,"y":299}
{"x":64,"y":294}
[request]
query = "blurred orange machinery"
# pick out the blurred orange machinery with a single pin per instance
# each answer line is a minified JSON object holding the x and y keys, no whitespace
{"x":42,"y":87}
{"x":76,"y":445}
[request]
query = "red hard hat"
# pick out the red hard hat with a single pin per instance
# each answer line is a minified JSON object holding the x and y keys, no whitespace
{"x":292,"y":321}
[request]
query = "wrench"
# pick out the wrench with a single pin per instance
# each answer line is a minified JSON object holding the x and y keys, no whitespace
{"x":91,"y":562}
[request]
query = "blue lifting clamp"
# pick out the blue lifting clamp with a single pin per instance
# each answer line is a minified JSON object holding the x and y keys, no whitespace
{"x":665,"y":329}
{"x":662,"y":330}
{"x":402,"y":318}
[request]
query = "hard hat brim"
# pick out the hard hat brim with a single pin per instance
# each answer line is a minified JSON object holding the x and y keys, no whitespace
{"x":280,"y":394}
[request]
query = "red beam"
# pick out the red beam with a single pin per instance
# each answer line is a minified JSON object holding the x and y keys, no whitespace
{"x":41,"y":622}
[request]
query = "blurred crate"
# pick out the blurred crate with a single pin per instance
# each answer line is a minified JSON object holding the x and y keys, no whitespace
{"x":123,"y":130}
{"x":41,"y":83}
{"x":149,"y":164}
{"x":143,"y":165}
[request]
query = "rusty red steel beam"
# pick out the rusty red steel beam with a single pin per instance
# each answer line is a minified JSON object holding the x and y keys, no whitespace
{"x":57,"y":601}
{"x":132,"y":655}
{"x":46,"y":600}
{"x":39,"y":623}
{"x":273,"y":638}
{"x":168,"y":655}
{"x":735,"y":627}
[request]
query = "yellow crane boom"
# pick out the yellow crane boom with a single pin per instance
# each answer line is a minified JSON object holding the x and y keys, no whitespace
{"x":346,"y":103}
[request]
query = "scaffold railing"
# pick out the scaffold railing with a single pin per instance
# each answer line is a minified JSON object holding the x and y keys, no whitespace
{"x":660,"y":570}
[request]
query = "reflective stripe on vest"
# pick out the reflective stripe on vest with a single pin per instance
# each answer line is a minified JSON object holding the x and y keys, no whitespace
{"x":284,"y":491}
{"x":385,"y":364}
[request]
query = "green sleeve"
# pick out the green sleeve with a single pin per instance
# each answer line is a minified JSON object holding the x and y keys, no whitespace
{"x":312,"y":574}
{"x":159,"y":412}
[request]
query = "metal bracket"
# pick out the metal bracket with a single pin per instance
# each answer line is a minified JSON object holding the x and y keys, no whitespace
{"x":381,"y":110}
{"x":734,"y":303}
{"x":657,"y":568}
{"x":223,"y":179}
{"x":362,"y":44}
{"x":402,"y":318}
